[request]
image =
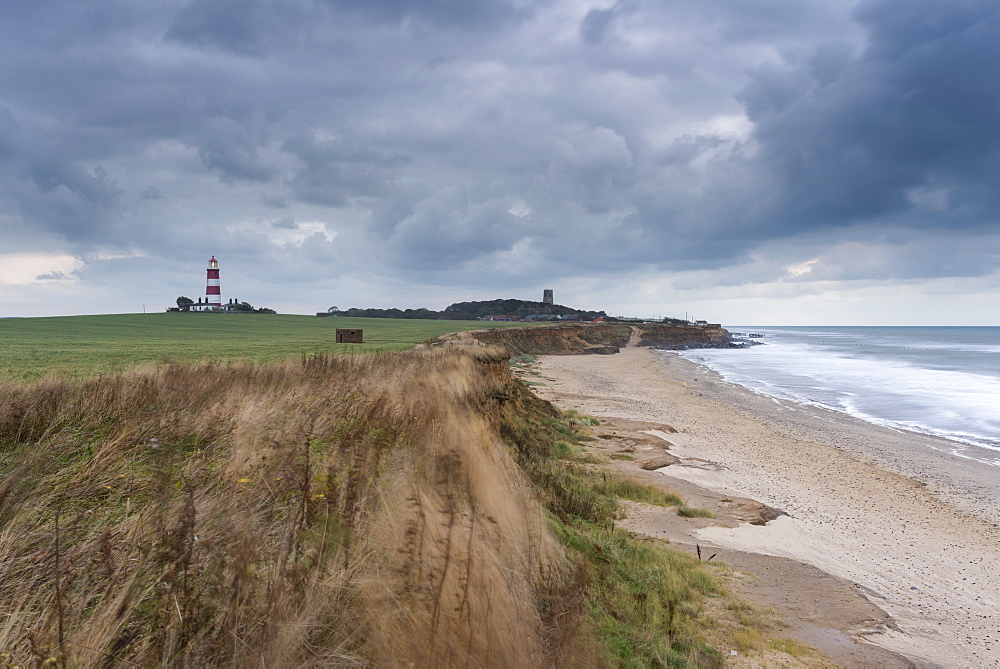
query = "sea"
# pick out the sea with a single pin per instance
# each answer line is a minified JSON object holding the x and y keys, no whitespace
{"x":941,"y":381}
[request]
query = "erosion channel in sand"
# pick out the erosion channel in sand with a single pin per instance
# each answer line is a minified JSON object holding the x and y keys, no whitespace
{"x":882,"y":512}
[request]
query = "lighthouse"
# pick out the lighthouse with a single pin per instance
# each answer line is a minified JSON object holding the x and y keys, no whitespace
{"x":213,"y":293}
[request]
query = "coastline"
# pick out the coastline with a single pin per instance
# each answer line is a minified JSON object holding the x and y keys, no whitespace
{"x":915,"y":528}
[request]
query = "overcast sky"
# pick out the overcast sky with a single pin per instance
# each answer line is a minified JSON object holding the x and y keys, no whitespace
{"x":743,"y":161}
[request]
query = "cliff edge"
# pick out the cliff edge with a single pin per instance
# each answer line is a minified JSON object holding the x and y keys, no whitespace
{"x":584,"y":338}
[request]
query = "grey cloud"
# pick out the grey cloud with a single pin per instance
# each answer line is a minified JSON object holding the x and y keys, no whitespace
{"x":468,"y":14}
{"x":51,"y":276}
{"x":79,"y":203}
{"x":596,"y":24}
{"x":10,"y":134}
{"x":249,"y":28}
{"x":287,"y":223}
{"x":231,"y":25}
{"x":851,"y":141}
{"x":829,"y":60}
{"x":852,"y":255}
{"x":443,"y":231}
{"x":592,"y":167}
{"x":275,"y":201}
{"x":94,"y":186}
{"x":233,"y":148}
{"x":909,"y":256}
{"x":90,"y":187}
{"x":899,"y":28}
{"x":337,"y":171}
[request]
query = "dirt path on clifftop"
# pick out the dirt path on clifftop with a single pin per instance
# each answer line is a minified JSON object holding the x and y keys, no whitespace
{"x":633,"y":341}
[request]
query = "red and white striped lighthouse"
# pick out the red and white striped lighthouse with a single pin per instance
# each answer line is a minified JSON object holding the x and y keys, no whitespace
{"x":213,"y":293}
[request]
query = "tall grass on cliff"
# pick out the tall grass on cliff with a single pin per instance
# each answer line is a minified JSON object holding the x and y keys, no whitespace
{"x":320,"y":512}
{"x":644,"y":600}
{"x":415,"y":508}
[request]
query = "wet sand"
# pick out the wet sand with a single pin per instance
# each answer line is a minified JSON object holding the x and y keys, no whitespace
{"x":910,"y":525}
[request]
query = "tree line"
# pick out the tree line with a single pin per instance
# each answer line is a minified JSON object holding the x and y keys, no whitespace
{"x":474,"y":310}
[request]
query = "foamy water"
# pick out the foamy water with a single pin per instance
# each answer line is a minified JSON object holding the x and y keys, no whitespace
{"x":942,"y":381}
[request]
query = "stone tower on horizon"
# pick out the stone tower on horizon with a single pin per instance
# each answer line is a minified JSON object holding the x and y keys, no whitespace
{"x":547,"y":297}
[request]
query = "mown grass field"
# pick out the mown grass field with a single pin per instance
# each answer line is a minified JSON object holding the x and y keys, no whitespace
{"x":78,"y":346}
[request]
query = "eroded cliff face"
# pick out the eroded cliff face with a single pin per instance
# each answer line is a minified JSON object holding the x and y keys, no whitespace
{"x":600,"y":338}
{"x":676,"y":337}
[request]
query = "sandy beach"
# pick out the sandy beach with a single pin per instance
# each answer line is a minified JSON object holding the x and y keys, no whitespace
{"x":893,"y":514}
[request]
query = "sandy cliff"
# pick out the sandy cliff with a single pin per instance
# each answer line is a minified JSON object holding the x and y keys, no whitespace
{"x":601,"y":338}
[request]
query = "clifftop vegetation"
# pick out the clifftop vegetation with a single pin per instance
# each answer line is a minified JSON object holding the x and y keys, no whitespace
{"x":325,"y":511}
{"x":397,"y":508}
{"x":387,"y":508}
{"x":475,"y":310}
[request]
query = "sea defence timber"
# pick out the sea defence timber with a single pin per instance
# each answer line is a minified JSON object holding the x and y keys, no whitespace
{"x":591,"y":338}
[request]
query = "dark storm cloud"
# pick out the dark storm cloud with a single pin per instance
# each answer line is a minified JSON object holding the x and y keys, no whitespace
{"x":446,"y":229}
{"x":467,"y":14}
{"x":596,"y":23}
{"x":10,"y":133}
{"x":287,"y":223}
{"x":856,"y":138}
{"x":490,"y":140}
{"x":80,"y":204}
{"x":233,"y":149}
{"x":239,"y":26}
{"x":337,"y":170}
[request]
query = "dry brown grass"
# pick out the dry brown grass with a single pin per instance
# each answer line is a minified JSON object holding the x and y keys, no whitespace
{"x":328,"y":511}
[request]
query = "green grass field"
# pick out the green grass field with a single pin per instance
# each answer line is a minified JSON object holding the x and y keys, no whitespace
{"x":75,"y":346}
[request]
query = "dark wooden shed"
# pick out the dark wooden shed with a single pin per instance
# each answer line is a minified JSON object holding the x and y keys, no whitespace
{"x":350,"y":336}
